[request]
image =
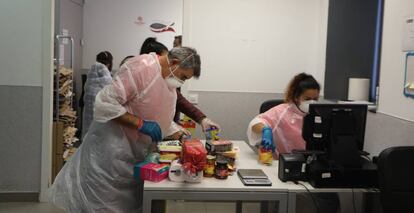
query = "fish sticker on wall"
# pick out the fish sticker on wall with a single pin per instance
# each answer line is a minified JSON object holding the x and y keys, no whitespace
{"x":159,"y":27}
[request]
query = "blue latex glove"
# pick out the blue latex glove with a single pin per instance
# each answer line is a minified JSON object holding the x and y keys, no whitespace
{"x":267,"y":139}
{"x":151,"y":129}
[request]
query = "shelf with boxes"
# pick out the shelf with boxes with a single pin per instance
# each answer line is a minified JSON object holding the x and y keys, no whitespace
{"x":64,"y":116}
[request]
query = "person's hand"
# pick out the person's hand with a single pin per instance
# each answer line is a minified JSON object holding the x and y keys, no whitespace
{"x":267,"y":139}
{"x":183,"y":133}
{"x":151,"y":129}
{"x":207,"y":124}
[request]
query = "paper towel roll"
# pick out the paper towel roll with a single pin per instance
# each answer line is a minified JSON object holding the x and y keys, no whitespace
{"x":176,"y":172}
{"x":358,"y":89}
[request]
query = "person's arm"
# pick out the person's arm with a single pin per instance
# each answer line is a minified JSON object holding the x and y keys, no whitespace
{"x":130,"y":120}
{"x":149,"y":128}
{"x":184,"y":106}
{"x":258,"y":128}
{"x":260,"y":122}
{"x":110,"y":101}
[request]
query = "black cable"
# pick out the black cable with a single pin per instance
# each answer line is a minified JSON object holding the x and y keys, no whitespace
{"x":353,"y":200}
{"x":313,"y":198}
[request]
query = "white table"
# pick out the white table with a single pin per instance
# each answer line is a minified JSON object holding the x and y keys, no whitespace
{"x":232,"y":189}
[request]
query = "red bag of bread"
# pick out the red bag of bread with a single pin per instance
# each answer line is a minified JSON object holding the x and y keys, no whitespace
{"x":194,"y":156}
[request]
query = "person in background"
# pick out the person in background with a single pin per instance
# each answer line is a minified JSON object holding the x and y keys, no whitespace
{"x":177,"y":41}
{"x":182,"y":105}
{"x":131,"y":115}
{"x":281,"y":127}
{"x":97,"y":78}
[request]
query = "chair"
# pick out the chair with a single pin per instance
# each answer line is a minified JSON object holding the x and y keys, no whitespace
{"x":270,"y":104}
{"x":396,"y":179}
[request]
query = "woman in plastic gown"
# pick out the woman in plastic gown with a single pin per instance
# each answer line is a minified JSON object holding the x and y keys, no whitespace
{"x":98,"y":77}
{"x":281,"y":128}
{"x":133,"y":112}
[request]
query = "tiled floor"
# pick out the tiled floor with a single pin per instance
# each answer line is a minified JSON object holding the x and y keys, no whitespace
{"x":172,"y":207}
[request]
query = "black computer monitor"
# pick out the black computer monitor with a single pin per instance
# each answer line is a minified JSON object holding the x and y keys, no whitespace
{"x":337,"y":131}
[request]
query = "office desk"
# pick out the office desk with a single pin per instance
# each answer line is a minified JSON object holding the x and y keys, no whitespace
{"x":230,"y":189}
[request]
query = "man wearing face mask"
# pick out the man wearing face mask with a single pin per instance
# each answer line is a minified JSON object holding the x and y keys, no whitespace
{"x":183,"y":105}
{"x":131,"y":115}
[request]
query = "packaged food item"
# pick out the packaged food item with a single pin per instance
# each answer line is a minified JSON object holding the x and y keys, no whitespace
{"x":168,"y":158}
{"x":137,"y":170}
{"x":170,"y":146}
{"x":265,"y":156}
{"x":213,"y":147}
{"x":169,"y":150}
{"x":231,"y":162}
{"x":212,"y":134}
{"x":221,"y":171}
{"x":193,"y":156}
{"x":188,"y":124}
{"x":210,"y":166}
{"x":154,"y":172}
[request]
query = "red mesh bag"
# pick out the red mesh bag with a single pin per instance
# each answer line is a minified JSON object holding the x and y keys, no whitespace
{"x":194,"y":156}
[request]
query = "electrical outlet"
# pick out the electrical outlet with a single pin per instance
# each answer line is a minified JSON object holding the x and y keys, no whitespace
{"x":193,"y":98}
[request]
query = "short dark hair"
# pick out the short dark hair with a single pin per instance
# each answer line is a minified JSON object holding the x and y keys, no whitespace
{"x":152,"y":45}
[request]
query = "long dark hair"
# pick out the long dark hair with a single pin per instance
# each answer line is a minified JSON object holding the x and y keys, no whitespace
{"x":105,"y":57}
{"x":152,"y":45}
{"x":298,"y":85}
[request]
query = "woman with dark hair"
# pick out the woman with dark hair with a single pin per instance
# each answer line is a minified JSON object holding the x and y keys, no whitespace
{"x":97,"y":78}
{"x":281,"y":128}
{"x":152,"y":45}
{"x":105,"y":58}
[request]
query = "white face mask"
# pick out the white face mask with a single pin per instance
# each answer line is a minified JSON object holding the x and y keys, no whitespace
{"x":172,"y":80}
{"x":304,"y":106}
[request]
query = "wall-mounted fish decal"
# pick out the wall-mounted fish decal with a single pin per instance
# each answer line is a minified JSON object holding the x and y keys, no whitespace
{"x":160,"y":27}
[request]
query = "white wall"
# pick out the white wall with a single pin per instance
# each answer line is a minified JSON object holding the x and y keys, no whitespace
{"x":109,"y":25}
{"x":255,"y":46}
{"x":26,"y":44}
{"x":20,"y":38}
{"x":391,"y":99}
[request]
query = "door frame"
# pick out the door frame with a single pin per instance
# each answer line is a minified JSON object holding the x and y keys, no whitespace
{"x":48,"y":8}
